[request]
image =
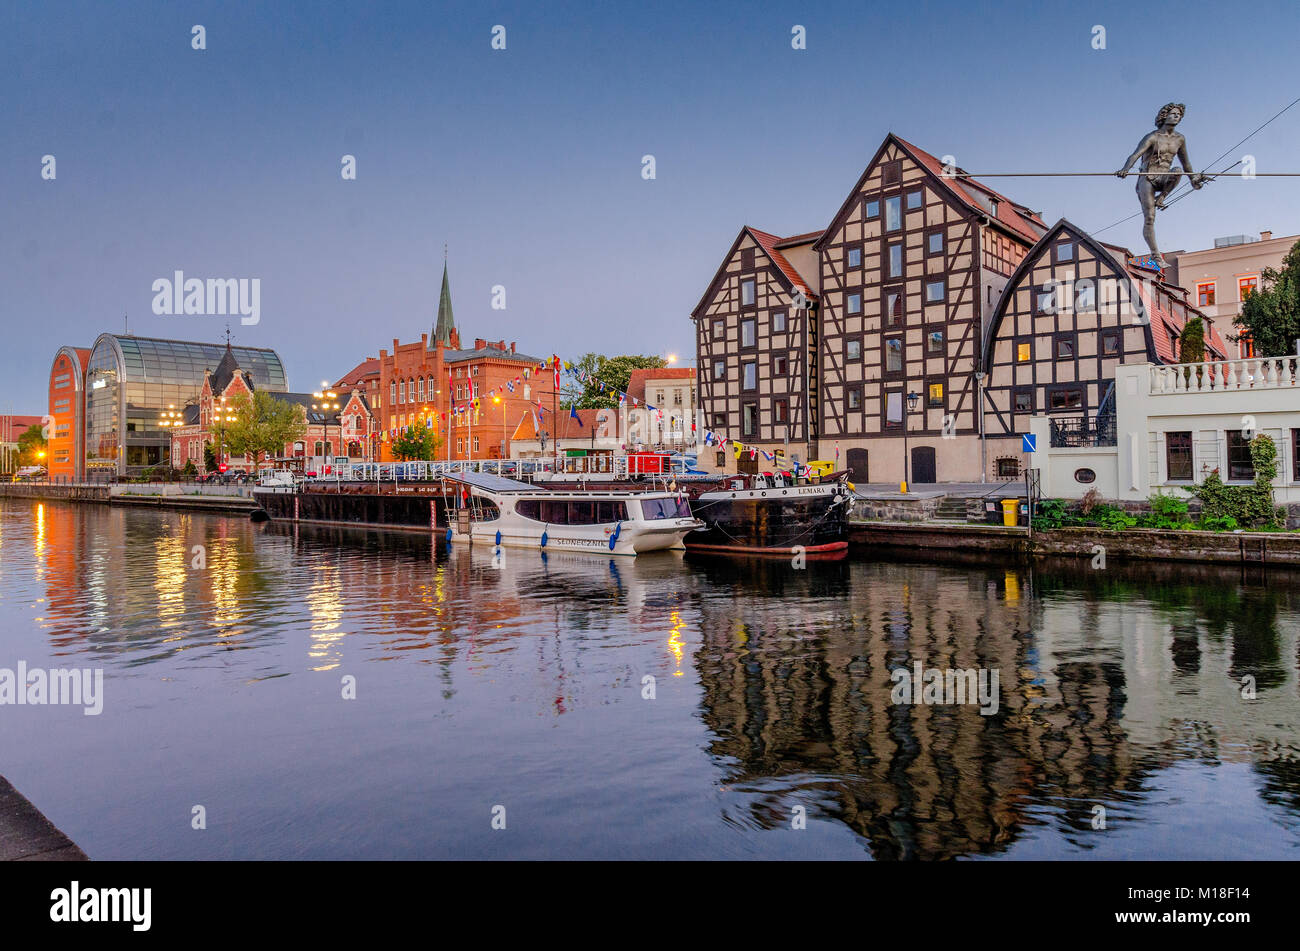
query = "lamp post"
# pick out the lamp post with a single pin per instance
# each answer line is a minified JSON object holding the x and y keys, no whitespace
{"x":169,"y":419}
{"x":502,"y":455}
{"x":223,"y":416}
{"x":909,"y":408}
{"x":328,"y":401}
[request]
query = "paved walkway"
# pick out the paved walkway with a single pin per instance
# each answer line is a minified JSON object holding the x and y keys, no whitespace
{"x":27,"y":836}
{"x":929,"y":490}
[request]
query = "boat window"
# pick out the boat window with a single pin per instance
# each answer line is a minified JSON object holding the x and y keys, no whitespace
{"x":665,"y":508}
{"x":529,"y":508}
{"x":485,"y":510}
{"x":607,"y":512}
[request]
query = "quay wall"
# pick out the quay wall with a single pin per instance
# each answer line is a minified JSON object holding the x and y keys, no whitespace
{"x":191,"y":497}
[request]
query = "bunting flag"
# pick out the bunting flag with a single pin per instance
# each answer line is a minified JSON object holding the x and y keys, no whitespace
{"x":510,"y":387}
{"x":573,"y":414}
{"x":736,"y":447}
{"x":753,"y":452}
{"x":555,"y":361}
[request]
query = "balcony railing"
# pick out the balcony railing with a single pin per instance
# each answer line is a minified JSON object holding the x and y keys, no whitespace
{"x":1252,"y":373}
{"x":1072,"y":432}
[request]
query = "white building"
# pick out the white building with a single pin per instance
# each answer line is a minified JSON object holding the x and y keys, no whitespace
{"x":1176,"y":424}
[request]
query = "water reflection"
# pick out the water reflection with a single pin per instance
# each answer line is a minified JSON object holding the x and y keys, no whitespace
{"x":1111,"y":681}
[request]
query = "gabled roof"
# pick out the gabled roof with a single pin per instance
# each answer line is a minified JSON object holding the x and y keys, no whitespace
{"x":1012,"y":217}
{"x":492,"y":353}
{"x":789,"y":276}
{"x":362,"y":371}
{"x":637,"y":382}
{"x":226,"y":370}
{"x":305,"y":400}
{"x":445,"y":323}
{"x":1162,"y":327}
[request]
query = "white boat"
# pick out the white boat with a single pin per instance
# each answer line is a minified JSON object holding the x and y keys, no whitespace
{"x":502,"y":512}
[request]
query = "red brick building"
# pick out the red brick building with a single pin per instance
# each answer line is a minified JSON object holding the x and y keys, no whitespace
{"x":66,"y":452}
{"x":472,"y":398}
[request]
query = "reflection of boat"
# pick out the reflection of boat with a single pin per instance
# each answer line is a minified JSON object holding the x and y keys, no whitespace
{"x":514,"y":514}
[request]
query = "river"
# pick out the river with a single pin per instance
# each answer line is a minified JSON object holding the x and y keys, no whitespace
{"x":318,"y":692}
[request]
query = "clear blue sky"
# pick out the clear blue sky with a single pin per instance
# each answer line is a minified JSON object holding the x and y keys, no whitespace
{"x":527,"y":162}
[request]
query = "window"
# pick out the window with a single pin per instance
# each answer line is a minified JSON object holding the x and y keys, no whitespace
{"x":1062,"y":251}
{"x":934,"y":292}
{"x":659,"y":398}
{"x":1069,"y":397}
{"x":893,"y":308}
{"x":778,"y":322}
{"x":855,"y":257}
{"x":420,"y":386}
{"x":719,"y":328}
{"x":1045,"y":300}
{"x":719,"y":420}
{"x":872,"y":209}
{"x":392,"y":396}
{"x":893,"y":213}
{"x":780,"y":365}
{"x":936,"y":396}
{"x":891,"y":173}
{"x":476,"y":444}
{"x":1178,"y":457}
{"x":1085,"y":296}
{"x":896,"y":260}
{"x":749,"y":377}
{"x":1205,"y":294}
{"x":1024,"y":351}
{"x":1247,"y":286}
{"x":1110,"y":342}
{"x":853,"y":349}
{"x":1084,"y":476}
{"x":747,"y":293}
{"x":853,"y":397}
{"x":934,"y":342}
{"x":749,"y":419}
{"x":1024,"y":400}
{"x":719,"y":369}
{"x":894,"y":408}
{"x":780,"y":411}
{"x":721,"y":460}
{"x":934,"y":243}
{"x":855,"y":304}
{"x":914,"y":200}
{"x":1241,"y":468}
{"x":748,"y":334}
{"x":1065,"y":347}
{"x":658,"y":508}
{"x":894,"y":355}
{"x":401,"y":392}
{"x":1008,"y":467}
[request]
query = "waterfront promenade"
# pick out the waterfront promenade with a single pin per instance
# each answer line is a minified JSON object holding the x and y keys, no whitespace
{"x":27,"y":836}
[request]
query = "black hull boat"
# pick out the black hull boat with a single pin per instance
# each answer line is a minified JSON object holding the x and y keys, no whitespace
{"x":771,"y":516}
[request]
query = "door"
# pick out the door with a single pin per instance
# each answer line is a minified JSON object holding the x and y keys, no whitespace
{"x":923,"y":464}
{"x":858,"y":472}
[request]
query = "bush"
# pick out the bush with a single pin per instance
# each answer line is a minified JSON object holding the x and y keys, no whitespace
{"x":1049,"y":513}
{"x":1219,"y":523}
{"x":1249,"y":505}
{"x":1113,"y":519}
{"x":1167,"y":512}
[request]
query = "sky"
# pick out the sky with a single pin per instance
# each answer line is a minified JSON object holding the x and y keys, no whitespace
{"x":527,"y":163}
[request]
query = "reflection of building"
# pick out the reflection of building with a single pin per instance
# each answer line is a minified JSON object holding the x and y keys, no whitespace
{"x":1220,"y":278}
{"x":129,"y":383}
{"x":337,"y":426}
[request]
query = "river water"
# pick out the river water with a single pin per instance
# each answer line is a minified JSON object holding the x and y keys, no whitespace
{"x":342,"y":693}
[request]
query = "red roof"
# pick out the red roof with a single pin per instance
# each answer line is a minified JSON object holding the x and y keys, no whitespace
{"x":1015,"y":217}
{"x":1166,"y":326}
{"x":636,"y":383}
{"x":366,"y":368}
{"x":769,"y":243}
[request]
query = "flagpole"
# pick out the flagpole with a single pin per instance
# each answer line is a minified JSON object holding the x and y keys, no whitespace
{"x":555,"y":410}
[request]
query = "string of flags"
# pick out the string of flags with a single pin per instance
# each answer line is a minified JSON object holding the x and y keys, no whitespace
{"x":476,"y":402}
{"x":738,"y":448}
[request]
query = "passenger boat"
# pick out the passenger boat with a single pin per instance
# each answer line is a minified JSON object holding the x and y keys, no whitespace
{"x":771,"y":514}
{"x":503,"y":512}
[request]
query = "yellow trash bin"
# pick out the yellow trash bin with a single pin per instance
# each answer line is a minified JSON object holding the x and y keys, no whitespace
{"x":1009,"y":511}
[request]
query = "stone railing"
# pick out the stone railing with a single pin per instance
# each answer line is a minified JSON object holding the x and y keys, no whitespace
{"x":1216,"y":377}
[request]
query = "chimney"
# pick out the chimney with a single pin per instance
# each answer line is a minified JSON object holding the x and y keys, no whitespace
{"x":512,"y":346}
{"x":480,"y":343}
{"x":1265,"y":235}
{"x":424,"y":341}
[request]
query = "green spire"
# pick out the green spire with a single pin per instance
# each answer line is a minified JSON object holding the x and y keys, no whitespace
{"x":446,"y":323}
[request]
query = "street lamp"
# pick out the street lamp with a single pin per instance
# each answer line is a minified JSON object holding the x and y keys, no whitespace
{"x":223,"y":416}
{"x":497,"y":399}
{"x":910,"y":408}
{"x":326,"y":395}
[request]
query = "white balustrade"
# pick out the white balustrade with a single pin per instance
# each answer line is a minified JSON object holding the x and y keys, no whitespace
{"x":1252,"y":373}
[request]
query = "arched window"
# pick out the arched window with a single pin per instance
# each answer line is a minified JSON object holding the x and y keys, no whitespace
{"x":320,"y":448}
{"x":421,"y":382}
{"x":401,"y":392}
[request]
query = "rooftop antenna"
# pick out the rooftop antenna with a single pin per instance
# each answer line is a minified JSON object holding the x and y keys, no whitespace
{"x":126,"y":327}
{"x":227,"y":335}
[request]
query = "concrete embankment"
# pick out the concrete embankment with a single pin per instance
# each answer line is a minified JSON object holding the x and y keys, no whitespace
{"x":27,"y":836}
{"x":981,"y":542}
{"x":189,"y":497}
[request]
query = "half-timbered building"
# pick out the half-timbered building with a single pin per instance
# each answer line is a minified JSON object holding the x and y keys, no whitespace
{"x":1074,"y":309}
{"x":909,"y":269}
{"x":756,"y":348}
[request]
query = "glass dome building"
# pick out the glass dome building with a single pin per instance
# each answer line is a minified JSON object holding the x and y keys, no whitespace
{"x":130,"y":381}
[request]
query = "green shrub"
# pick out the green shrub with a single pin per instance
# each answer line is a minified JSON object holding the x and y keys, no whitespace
{"x":1167,"y":511}
{"x":1113,"y":519}
{"x":1250,"y":505}
{"x":1219,"y":523}
{"x":1049,"y":513}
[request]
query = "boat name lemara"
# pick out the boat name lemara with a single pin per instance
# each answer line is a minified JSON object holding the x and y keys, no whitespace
{"x":74,"y":903}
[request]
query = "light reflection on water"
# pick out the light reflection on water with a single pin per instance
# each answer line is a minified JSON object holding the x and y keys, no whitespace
{"x":523,"y":686}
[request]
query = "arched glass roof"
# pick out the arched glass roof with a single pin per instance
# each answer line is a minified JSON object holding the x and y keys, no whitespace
{"x":152,"y":360}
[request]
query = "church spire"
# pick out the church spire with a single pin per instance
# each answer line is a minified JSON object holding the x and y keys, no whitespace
{"x":446,"y":322}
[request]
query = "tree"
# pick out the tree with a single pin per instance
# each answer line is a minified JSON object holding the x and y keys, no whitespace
{"x":31,"y":446}
{"x":264,"y":423}
{"x":614,"y":372}
{"x":210,"y":462}
{"x":1191,"y":342}
{"x":1270,"y":316}
{"x":418,"y":442}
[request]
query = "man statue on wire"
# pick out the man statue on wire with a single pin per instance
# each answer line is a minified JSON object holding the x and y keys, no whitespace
{"x":1157,"y":152}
